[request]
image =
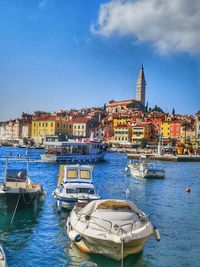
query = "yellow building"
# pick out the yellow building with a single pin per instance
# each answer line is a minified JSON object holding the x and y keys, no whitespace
{"x":188,"y":135}
{"x":165,"y":129}
{"x":122,"y":134}
{"x":46,"y":126}
{"x":142,"y":131}
{"x":119,"y":121}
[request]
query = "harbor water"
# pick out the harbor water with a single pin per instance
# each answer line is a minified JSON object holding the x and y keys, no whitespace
{"x":38,"y":238}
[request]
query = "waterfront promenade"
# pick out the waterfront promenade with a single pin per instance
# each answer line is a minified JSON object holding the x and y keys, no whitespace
{"x":168,"y":157}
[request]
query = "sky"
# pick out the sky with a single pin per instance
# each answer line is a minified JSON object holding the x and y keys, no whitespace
{"x":62,"y":54}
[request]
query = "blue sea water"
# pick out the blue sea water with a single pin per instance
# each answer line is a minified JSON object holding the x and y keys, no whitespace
{"x":39,"y":239}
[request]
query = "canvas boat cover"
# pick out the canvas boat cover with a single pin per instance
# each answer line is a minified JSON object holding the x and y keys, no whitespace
{"x":109,"y":204}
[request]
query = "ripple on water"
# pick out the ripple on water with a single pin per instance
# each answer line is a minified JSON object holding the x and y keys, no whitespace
{"x":40,"y":239}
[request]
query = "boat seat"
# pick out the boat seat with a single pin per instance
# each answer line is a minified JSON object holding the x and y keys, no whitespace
{"x":16,"y":184}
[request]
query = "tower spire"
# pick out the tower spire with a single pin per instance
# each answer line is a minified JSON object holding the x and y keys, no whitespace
{"x":141,"y":86}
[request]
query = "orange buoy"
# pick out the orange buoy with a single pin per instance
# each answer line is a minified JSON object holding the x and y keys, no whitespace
{"x":187,"y":190}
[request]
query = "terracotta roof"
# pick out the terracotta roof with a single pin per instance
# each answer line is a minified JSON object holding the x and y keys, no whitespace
{"x":120,"y":103}
{"x":50,"y":118}
{"x":121,"y":126}
{"x":81,"y":120}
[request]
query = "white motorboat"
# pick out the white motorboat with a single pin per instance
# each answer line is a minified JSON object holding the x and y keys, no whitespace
{"x":75,"y":184}
{"x":113,"y":228}
{"x":3,"y":262}
{"x":145,"y":169}
{"x":18,"y":191}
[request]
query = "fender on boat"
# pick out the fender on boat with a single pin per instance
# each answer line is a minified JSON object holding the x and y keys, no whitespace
{"x":74,"y":236}
{"x":156,"y":233}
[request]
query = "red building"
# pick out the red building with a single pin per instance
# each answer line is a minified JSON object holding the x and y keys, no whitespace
{"x":175,"y":130}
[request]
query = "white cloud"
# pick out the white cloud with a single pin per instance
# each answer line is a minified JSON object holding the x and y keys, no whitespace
{"x":44,"y":4}
{"x":172,"y":25}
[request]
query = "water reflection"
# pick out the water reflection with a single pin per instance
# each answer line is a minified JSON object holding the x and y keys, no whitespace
{"x":77,"y":257}
{"x":17,"y":234}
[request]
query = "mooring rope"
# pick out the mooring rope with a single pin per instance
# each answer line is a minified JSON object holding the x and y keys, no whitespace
{"x":15,"y":209}
{"x":122,"y":253}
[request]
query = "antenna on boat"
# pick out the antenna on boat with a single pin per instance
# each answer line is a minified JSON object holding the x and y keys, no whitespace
{"x":122,"y":254}
{"x":6,"y":169}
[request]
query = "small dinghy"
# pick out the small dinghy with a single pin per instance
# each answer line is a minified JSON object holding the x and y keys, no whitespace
{"x":3,"y":262}
{"x":145,"y":169}
{"x":113,"y":228}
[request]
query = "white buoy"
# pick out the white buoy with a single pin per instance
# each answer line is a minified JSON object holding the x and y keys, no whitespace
{"x":126,"y":169}
{"x":156,"y":233}
{"x":74,"y":236}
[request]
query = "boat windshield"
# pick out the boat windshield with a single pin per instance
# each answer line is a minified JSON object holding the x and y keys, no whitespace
{"x":72,"y":174}
{"x":16,"y":175}
{"x":85,"y":174}
{"x":79,"y":190}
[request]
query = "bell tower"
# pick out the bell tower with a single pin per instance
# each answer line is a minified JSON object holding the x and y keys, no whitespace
{"x":141,"y":87}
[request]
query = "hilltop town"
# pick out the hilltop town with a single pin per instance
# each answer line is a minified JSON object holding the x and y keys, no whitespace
{"x":119,"y":123}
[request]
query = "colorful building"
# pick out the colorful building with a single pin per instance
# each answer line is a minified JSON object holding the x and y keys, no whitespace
{"x":165,"y":130}
{"x":188,"y":134}
{"x":197,"y":128}
{"x":122,"y":134}
{"x":81,"y":127}
{"x":119,"y":121}
{"x":142,"y":131}
{"x":175,"y":130}
{"x":46,"y":126}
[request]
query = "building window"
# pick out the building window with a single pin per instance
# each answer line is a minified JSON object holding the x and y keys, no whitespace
{"x":58,"y":124}
{"x":52,"y":124}
{"x":47,"y":124}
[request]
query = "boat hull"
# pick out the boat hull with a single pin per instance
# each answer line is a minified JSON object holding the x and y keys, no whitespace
{"x":69,"y":203}
{"x":72,"y":158}
{"x":9,"y":201}
{"x":147,"y":174}
{"x":111,"y":249}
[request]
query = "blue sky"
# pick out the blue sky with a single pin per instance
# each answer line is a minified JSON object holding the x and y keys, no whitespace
{"x":62,"y":54}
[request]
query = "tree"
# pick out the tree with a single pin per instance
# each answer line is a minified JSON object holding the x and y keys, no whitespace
{"x":146,"y":107}
{"x":173,"y":111}
{"x":156,"y":108}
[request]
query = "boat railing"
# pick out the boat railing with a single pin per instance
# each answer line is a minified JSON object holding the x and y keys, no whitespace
{"x":116,"y":227}
{"x":88,"y":217}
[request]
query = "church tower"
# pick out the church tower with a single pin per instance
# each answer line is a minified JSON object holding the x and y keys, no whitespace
{"x":141,"y":87}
